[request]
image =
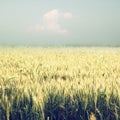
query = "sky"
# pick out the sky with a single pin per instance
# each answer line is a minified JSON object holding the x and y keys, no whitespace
{"x":60,"y":22}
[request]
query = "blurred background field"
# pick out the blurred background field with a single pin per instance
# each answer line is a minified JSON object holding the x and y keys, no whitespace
{"x":59,"y":83}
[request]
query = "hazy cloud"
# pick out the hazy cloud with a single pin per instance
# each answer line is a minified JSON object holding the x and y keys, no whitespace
{"x":51,"y":22}
{"x":68,"y":15}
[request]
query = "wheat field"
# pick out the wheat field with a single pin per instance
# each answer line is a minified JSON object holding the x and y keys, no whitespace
{"x":59,"y":83}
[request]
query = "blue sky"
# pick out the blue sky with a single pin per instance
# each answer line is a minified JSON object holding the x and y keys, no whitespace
{"x":68,"y":22}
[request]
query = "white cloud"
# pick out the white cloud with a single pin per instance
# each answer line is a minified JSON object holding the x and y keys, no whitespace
{"x":52,"y":16}
{"x":68,"y":15}
{"x":51,"y":22}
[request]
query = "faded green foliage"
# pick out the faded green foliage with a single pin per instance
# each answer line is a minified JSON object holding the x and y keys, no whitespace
{"x":59,"y":84}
